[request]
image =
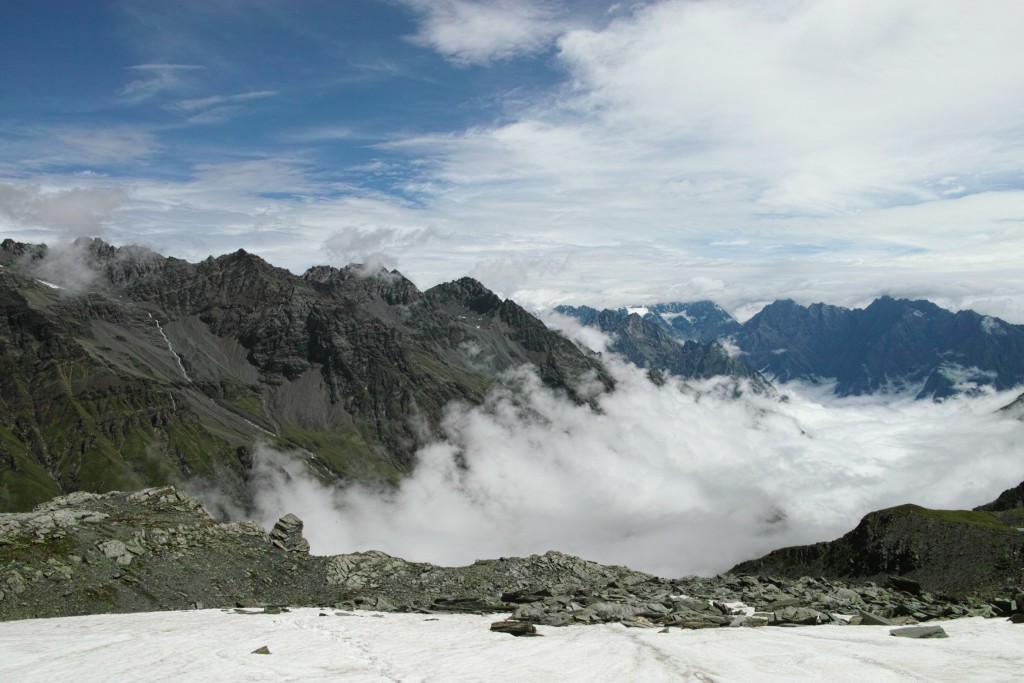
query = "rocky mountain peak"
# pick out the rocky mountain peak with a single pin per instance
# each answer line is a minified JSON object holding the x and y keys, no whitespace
{"x":466,"y":292}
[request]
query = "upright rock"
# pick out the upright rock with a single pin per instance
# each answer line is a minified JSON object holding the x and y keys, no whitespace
{"x":287,"y":534}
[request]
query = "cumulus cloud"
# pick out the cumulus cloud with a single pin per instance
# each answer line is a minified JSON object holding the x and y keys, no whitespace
{"x":75,"y":212}
{"x":375,"y":247}
{"x":671,"y":479}
{"x":470,"y":32}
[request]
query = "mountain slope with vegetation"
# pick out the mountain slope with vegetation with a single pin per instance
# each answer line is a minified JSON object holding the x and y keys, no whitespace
{"x":122,"y":368}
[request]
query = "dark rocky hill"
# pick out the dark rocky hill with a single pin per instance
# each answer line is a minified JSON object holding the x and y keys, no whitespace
{"x":956,"y":552}
{"x":647,"y":343}
{"x":145,"y":370}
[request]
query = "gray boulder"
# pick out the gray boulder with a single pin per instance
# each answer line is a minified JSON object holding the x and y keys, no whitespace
{"x":800,"y":616}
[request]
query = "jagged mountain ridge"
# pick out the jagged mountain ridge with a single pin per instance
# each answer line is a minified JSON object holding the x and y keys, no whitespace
{"x":892,"y":345}
{"x":648,"y":344}
{"x":164,"y":371}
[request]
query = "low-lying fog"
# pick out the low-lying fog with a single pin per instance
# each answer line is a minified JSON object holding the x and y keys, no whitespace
{"x":672,"y":480}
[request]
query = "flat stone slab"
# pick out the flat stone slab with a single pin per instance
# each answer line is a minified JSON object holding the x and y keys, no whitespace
{"x":515,"y":628}
{"x":919,"y":632}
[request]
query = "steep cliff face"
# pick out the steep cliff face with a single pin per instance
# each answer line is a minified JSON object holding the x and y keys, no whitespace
{"x":162,"y":371}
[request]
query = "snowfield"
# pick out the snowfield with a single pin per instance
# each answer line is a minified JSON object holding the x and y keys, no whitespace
{"x":217,"y":645}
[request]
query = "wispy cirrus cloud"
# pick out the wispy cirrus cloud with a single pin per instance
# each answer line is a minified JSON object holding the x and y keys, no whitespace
{"x":39,"y":147}
{"x":217,"y":108}
{"x":151,"y":80}
{"x":202,"y":103}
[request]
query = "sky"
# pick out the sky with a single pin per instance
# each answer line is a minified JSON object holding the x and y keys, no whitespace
{"x":560,"y":151}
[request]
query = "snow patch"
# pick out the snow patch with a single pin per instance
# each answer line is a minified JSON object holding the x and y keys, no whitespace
{"x":217,"y":645}
{"x":681,"y":314}
{"x":170,"y":348}
{"x":49,"y":284}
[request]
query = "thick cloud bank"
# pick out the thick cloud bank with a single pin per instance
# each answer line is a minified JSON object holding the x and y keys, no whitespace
{"x":667,"y":479}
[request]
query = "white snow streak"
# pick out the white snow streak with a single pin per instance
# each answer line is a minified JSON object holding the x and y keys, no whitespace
{"x":170,"y":348}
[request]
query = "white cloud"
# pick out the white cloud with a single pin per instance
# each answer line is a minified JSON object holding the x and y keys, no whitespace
{"x":470,"y":32}
{"x":664,"y":480}
{"x":374,"y":246}
{"x":826,"y":150}
{"x":37,"y":147}
{"x":219,"y":100}
{"x":154,"y":79}
{"x":76,"y":212}
{"x":217,"y":108}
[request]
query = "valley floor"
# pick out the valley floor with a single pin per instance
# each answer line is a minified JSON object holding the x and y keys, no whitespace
{"x":217,"y":645}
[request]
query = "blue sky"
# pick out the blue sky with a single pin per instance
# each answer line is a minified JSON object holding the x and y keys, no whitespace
{"x":559,"y":151}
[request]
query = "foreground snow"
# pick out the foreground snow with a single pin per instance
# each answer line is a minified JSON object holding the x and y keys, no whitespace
{"x":217,"y":645}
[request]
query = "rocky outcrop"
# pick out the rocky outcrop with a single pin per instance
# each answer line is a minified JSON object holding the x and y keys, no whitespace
{"x":1010,"y":499}
{"x":287,"y":534}
{"x":159,"y":549}
{"x":154,"y":549}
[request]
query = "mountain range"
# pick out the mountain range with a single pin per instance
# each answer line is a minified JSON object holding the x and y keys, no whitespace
{"x":891,"y":346}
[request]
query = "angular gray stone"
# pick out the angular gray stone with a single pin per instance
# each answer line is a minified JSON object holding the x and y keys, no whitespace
{"x":117,"y":551}
{"x":901,"y":583}
{"x":514,"y":628}
{"x":869,"y":619}
{"x":803,"y":616}
{"x":919,"y":632}
{"x":264,"y":650}
{"x":533,"y":612}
